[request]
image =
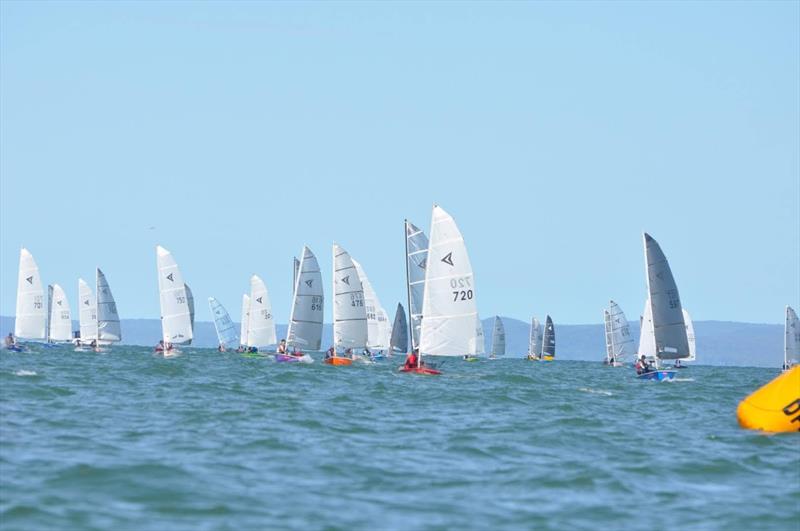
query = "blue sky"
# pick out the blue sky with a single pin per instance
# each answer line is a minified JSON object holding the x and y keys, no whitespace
{"x":554,"y":133}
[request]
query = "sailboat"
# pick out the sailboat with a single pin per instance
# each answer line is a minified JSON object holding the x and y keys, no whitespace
{"x":176,"y":316}
{"x":226,"y":330}
{"x":449,"y":308}
{"x":535,"y":339}
{"x":349,"y":312}
{"x":498,"y":339}
{"x":31,"y":313}
{"x":479,"y":340}
{"x":59,"y":326}
{"x":305,"y":320}
{"x":190,"y":300}
{"x":378,"y":331}
{"x":244,"y":322}
{"x":791,"y":340}
{"x":619,"y":342}
{"x":399,"y":338}
{"x":416,"y":257}
{"x":108,"y":324}
{"x":549,"y":340}
{"x":692,"y":343}
{"x":663,"y":315}
{"x":87,"y":317}
{"x":261,"y":325}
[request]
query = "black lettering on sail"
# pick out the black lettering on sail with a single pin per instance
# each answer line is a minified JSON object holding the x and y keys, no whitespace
{"x":169,"y":277}
{"x":448,"y":259}
{"x":30,"y":280}
{"x":258,"y":300}
{"x":346,"y":280}
{"x":309,"y":282}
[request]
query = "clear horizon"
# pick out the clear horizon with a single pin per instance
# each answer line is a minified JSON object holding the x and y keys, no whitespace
{"x":234,"y":134}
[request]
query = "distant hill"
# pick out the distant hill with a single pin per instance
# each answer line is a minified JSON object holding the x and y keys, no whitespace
{"x":718,"y":342}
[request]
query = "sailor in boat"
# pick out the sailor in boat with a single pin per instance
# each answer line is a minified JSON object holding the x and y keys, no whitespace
{"x":10,"y":341}
{"x":330,"y":353}
{"x":241,"y":349}
{"x":221,"y":347}
{"x":160,"y":346}
{"x":678,"y":364}
{"x":368,"y":354}
{"x":413,"y":361}
{"x":349,"y":353}
{"x":252,"y":350}
{"x":93,"y":344}
{"x":282,"y":347}
{"x":642,"y":366}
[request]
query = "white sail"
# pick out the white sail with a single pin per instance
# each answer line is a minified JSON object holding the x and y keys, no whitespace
{"x":190,"y":300}
{"x":60,"y":318}
{"x":621,"y":338}
{"x":245,"y":319}
{"x":609,"y":342}
{"x":480,"y":341}
{"x":665,"y":304}
{"x":647,"y":338}
{"x":449,"y":306}
{"x":261,"y":326}
{"x":498,"y":338}
{"x":31,"y":314}
{"x":108,"y":327}
{"x":87,"y":313}
{"x":226,"y":330}
{"x":349,"y":311}
{"x":537,"y":338}
{"x":378,"y":331}
{"x":176,"y":323}
{"x":791,"y":344}
{"x":416,"y":258}
{"x":305,"y":320}
{"x":690,"y":336}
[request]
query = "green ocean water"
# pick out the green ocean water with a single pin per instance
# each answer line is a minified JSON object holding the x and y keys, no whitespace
{"x":210,"y":441}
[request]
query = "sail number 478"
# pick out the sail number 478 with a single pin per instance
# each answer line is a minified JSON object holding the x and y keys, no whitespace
{"x":461,"y":289}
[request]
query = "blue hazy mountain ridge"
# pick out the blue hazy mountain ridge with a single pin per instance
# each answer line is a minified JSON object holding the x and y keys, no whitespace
{"x":718,"y":342}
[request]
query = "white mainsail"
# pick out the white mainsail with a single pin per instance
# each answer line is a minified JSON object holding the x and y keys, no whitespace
{"x":690,"y":336}
{"x":621,"y":338}
{"x":261,"y":325}
{"x":87,"y":313}
{"x":536,"y":338}
{"x":305,"y":320}
{"x":226,"y":330}
{"x":349,"y":312}
{"x":31,"y":312}
{"x":449,"y":306}
{"x":498,"y":338}
{"x":378,"y":331}
{"x":176,"y":321}
{"x":416,"y":259}
{"x":791,"y":340}
{"x":245,"y":319}
{"x":60,"y":318}
{"x":609,"y":342}
{"x":665,"y":303}
{"x":647,"y":337}
{"x":108,"y":327}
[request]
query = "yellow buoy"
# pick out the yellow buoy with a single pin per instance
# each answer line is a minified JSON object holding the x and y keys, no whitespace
{"x":774,"y":407}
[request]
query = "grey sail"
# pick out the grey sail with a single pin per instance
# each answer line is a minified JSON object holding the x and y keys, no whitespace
{"x":108,"y":325}
{"x":296,"y":272}
{"x":416,"y":256}
{"x":669,"y":326}
{"x":498,"y":338}
{"x":190,"y":301}
{"x":549,"y":340}
{"x":399,"y":341}
{"x":305,"y":320}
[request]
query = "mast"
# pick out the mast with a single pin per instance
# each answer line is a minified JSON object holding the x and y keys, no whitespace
{"x":408,"y":287}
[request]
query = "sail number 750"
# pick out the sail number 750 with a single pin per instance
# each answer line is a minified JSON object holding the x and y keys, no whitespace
{"x":462,"y":289}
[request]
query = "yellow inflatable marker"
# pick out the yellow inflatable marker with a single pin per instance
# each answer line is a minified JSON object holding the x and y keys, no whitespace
{"x":774,"y":407}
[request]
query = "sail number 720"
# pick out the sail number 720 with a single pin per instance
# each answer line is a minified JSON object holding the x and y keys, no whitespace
{"x":461,"y":289}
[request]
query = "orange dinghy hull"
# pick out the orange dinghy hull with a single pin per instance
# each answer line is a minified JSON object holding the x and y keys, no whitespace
{"x":336,"y":360}
{"x":775,"y":407}
{"x":420,"y":370}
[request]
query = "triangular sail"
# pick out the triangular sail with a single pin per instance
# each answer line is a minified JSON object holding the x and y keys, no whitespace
{"x":245,"y":319}
{"x":647,"y":337}
{"x":377,"y":322}
{"x":108,"y":327}
{"x":498,"y":338}
{"x":31,"y":313}
{"x":226,"y":330}
{"x":349,"y":311}
{"x":690,"y":336}
{"x":791,"y":344}
{"x":549,"y":341}
{"x":190,"y":300}
{"x":416,"y":259}
{"x":449,"y":303}
{"x":60,"y":318}
{"x":536,"y":339}
{"x":87,"y":313}
{"x":305,"y":321}
{"x":480,"y":341}
{"x":609,"y":341}
{"x":399,"y":340}
{"x":176,"y":317}
{"x":665,"y":302}
{"x":261,"y":328}
{"x":621,"y":338}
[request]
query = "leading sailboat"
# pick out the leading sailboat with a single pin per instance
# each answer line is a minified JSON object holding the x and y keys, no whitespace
{"x":31,"y":317}
{"x":176,"y":317}
{"x":449,"y":308}
{"x":663,"y":316}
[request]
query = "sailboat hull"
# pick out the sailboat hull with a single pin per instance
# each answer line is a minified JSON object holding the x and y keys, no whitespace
{"x":548,"y":358}
{"x":336,"y":360}
{"x":658,"y":376}
{"x":420,"y":370}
